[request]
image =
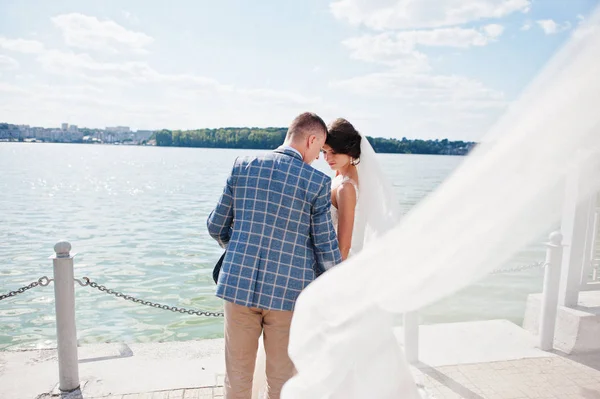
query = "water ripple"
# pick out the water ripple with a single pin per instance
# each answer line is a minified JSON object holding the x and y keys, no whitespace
{"x":136,"y":217}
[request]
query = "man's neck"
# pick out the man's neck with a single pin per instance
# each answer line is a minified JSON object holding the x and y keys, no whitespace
{"x":294,"y":147}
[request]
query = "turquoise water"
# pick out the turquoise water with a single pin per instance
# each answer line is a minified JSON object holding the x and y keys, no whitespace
{"x":136,"y":218}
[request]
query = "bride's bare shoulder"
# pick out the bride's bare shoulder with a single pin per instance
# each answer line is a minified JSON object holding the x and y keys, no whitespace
{"x":347,"y":192}
{"x":353,"y":175}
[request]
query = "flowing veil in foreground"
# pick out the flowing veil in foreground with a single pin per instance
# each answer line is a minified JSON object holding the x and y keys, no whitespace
{"x":506,"y":194}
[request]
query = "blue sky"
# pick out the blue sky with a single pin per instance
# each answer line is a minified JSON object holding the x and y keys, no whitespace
{"x":395,"y":68}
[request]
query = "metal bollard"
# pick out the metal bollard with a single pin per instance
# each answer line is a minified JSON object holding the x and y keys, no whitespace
{"x":550,"y":294}
{"x":411,"y":336}
{"x":66,"y":332}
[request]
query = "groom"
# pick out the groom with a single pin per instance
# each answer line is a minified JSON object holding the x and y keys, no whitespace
{"x":274,"y":220}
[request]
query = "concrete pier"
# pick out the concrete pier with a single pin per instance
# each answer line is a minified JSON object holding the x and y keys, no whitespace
{"x":486,"y":359}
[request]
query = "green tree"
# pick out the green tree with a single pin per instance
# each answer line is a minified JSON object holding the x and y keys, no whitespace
{"x":164,"y":138}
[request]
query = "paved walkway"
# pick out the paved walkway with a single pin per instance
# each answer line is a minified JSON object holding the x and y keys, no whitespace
{"x":193,"y":393}
{"x":540,"y":378}
{"x":551,"y":377}
{"x":536,"y":378}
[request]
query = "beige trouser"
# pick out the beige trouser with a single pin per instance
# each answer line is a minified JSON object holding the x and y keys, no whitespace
{"x":243,"y":327}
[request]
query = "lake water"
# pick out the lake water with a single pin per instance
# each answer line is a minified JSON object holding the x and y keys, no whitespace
{"x":136,"y":216}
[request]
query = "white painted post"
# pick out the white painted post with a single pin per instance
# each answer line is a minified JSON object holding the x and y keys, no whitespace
{"x":411,"y":336}
{"x":592,"y":237}
{"x":577,"y":211}
{"x":550,"y":294}
{"x":66,"y":333}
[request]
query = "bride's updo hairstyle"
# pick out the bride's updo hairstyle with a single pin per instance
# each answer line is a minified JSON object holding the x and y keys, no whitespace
{"x":343,"y":138}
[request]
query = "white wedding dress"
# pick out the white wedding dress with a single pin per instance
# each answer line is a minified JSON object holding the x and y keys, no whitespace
{"x":377,"y":211}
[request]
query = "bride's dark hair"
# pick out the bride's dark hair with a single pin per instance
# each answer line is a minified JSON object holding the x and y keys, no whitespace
{"x":343,"y":138}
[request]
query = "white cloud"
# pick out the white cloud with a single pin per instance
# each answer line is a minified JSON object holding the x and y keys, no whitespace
{"x":451,"y":37}
{"x":6,"y":88}
{"x":550,"y":27}
{"x":152,"y":106}
{"x":21,"y":45}
{"x":493,"y":30}
{"x":278,"y":97}
{"x":90,"y":33}
{"x":130,"y":17}
{"x":424,"y":89}
{"x":398,"y":49}
{"x":430,"y":102}
{"x":8,"y":63}
{"x":55,"y":103}
{"x":385,"y":48}
{"x":585,"y":27}
{"x":135,"y":93}
{"x":183,"y":85}
{"x":526,"y":25}
{"x":82,"y":64}
{"x":429,"y":105}
{"x":124,"y":73}
{"x":410,"y":14}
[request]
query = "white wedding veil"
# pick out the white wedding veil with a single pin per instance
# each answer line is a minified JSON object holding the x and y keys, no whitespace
{"x":505,"y":195}
{"x":377,"y":209}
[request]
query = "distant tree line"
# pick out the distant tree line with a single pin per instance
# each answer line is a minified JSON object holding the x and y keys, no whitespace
{"x":272,"y":137}
{"x":250,"y":138}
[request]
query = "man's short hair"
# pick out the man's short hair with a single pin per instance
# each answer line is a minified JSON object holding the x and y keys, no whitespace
{"x":305,"y":124}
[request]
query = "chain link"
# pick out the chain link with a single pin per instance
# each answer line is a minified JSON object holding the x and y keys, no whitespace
{"x":82,"y":284}
{"x":102,"y":288}
{"x":537,"y":265}
{"x":42,"y":281}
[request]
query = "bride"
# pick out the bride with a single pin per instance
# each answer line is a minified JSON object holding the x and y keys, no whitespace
{"x":363,"y":208}
{"x":342,"y":152}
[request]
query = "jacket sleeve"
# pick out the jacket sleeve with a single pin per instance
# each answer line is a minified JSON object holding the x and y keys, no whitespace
{"x":324,"y":239}
{"x":220,"y":220}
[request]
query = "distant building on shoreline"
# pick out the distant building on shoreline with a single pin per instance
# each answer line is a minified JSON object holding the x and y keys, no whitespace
{"x":73,"y":134}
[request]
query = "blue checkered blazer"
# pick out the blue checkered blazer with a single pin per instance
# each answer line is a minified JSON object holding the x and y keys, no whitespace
{"x":274,"y":220}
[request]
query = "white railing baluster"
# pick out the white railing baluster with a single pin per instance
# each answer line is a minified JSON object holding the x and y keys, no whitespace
{"x":66,"y":332}
{"x":550,"y":294}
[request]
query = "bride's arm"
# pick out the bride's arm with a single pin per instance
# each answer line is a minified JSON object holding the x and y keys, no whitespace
{"x":346,"y":205}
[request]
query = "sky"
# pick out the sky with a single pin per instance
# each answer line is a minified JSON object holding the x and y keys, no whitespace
{"x":394,"y":68}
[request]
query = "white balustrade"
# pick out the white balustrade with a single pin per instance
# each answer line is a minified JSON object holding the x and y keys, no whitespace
{"x":554,"y":251}
{"x":66,"y":332}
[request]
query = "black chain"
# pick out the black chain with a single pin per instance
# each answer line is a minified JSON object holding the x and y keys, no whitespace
{"x":102,"y":288}
{"x":42,"y":281}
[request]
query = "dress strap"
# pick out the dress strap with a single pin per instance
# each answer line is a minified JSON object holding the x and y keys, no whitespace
{"x":347,"y":179}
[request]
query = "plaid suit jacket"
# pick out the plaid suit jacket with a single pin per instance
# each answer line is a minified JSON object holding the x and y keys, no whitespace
{"x":274,"y":220}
